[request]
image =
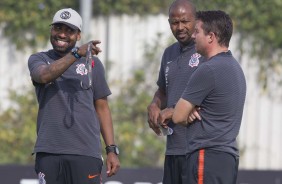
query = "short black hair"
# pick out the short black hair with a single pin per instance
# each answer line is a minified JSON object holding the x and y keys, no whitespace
{"x":219,"y":23}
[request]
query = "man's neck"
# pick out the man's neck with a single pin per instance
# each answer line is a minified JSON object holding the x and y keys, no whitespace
{"x":216,"y":51}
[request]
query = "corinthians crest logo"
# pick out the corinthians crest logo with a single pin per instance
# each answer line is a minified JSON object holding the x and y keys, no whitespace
{"x":194,"y":61}
{"x":65,"y":15}
{"x":81,"y":69}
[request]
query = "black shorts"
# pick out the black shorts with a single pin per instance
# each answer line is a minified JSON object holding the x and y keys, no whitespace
{"x":175,"y":170}
{"x":212,"y":167}
{"x":66,"y":169}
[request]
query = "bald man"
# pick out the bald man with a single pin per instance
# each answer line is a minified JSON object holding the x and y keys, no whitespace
{"x":179,"y":61}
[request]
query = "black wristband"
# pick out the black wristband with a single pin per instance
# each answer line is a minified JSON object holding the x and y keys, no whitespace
{"x":74,"y":52}
{"x":112,"y":148}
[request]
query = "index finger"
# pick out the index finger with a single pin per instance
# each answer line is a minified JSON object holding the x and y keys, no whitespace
{"x":112,"y":170}
{"x":197,"y":115}
{"x":95,"y":42}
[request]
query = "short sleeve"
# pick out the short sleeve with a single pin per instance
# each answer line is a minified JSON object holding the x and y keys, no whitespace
{"x":100,"y":85}
{"x":200,"y":85}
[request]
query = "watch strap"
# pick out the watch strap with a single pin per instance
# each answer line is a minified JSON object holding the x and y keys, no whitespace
{"x":74,"y":53}
{"x":112,"y":148}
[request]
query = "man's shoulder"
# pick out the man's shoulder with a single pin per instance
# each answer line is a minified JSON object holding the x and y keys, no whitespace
{"x":172,"y":51}
{"x":42,"y":53}
{"x":42,"y":56}
{"x":174,"y":46}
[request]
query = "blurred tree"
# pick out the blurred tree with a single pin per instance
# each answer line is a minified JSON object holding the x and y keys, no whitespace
{"x":26,"y":23}
{"x":141,"y":7}
{"x":258,"y":23}
{"x":18,"y":128}
{"x":139,"y":145}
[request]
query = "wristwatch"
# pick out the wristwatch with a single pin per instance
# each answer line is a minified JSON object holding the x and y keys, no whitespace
{"x":112,"y":148}
{"x":74,"y":52}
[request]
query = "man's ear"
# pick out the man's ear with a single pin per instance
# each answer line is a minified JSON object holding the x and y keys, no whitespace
{"x":78,"y":36}
{"x":212,"y":37}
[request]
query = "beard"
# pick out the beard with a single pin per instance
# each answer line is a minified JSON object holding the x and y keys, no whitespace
{"x":62,"y":50}
{"x":60,"y":46}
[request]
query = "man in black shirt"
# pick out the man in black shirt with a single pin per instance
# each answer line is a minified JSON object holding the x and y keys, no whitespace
{"x":178,"y":63}
{"x":218,"y":86}
{"x":73,"y":108}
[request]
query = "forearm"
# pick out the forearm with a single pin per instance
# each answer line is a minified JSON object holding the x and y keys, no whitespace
{"x":107,"y":131}
{"x":48,"y":73}
{"x":105,"y":118}
{"x":159,"y":99}
{"x":181,"y":112}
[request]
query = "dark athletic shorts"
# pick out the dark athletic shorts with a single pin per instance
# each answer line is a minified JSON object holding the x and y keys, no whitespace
{"x":175,"y":171}
{"x":67,"y":169}
{"x":212,"y":167}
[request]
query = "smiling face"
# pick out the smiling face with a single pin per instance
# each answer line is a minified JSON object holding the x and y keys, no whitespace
{"x":182,"y":22}
{"x":63,"y":38}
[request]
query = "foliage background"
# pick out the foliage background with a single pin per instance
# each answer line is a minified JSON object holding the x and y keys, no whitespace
{"x":25,"y":23}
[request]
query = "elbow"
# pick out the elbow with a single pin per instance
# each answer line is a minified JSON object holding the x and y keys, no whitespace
{"x":41,"y":80}
{"x":44,"y":80}
{"x":42,"y":77}
{"x":39,"y":77}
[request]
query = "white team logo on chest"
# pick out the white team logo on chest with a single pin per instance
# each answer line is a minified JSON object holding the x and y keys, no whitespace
{"x":81,"y":69}
{"x":194,"y":61}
